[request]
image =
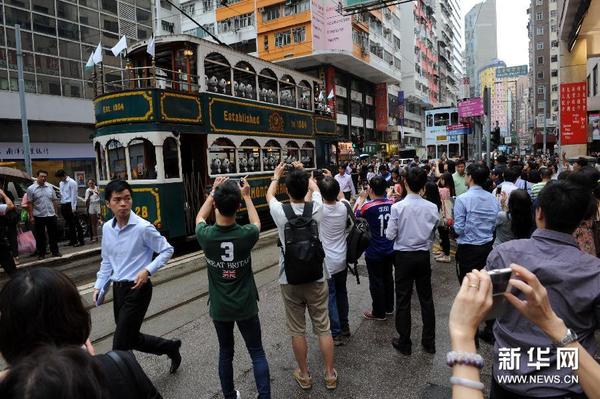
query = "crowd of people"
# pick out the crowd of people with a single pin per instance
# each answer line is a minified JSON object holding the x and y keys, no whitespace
{"x":537,"y":216}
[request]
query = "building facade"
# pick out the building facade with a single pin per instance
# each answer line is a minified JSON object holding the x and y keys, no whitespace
{"x":543,"y":71}
{"x":481,"y":44}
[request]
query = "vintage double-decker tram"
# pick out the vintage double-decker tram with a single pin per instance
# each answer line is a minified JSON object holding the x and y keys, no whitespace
{"x":170,"y":124}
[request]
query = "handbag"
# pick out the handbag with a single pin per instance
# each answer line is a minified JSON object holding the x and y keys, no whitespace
{"x":26,"y":242}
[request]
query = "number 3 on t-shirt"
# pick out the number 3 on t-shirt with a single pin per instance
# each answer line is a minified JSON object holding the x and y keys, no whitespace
{"x":383,"y":220}
{"x":228,"y":249}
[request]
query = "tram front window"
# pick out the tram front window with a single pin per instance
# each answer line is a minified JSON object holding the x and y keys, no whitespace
{"x":116,"y":160}
{"x":249,"y":157}
{"x":142,"y":159}
{"x":221,"y":156}
{"x":171,"y":158}
{"x":101,"y":159}
{"x":307,"y":155}
{"x":271,"y":155}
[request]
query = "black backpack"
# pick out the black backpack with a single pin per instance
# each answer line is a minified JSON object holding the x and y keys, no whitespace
{"x":357,"y":241}
{"x":302,"y":251}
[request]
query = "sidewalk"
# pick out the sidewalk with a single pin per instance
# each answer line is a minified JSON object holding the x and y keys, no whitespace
{"x":68,"y":253}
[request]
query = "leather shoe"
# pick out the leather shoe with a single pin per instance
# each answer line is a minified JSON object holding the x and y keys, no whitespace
{"x":175,"y":356}
{"x":429,"y":348}
{"x":405,"y":350}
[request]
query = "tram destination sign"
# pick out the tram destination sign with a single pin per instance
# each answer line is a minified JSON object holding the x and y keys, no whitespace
{"x":234,"y":116}
{"x":124,"y":107}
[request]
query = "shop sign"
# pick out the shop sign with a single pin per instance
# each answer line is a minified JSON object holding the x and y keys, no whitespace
{"x":573,"y":111}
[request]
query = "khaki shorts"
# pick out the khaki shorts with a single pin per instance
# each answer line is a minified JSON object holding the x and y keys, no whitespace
{"x":297,"y":298}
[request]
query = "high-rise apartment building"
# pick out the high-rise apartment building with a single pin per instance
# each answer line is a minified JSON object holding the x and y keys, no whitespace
{"x":448,"y":34}
{"x":481,"y":45}
{"x":543,"y":70}
{"x":57,"y":40}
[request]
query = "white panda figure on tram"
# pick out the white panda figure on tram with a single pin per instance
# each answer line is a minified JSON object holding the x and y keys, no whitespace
{"x":215,"y":166}
{"x":243,"y":165}
{"x":223,"y":86}
{"x":251,"y":164}
{"x":212,"y":83}
{"x":235,"y":87}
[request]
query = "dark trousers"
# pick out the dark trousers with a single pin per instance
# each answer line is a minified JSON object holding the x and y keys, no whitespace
{"x":444,"y":239}
{"x":497,"y":392}
{"x":469,"y":257}
{"x":6,"y":257}
{"x":414,"y":268}
{"x":381,"y":285}
{"x":347,"y":195}
{"x":129,"y":308}
{"x":41,"y":225}
{"x":75,"y":230}
{"x":250,"y":330}
{"x":341,"y":297}
{"x":11,"y":232}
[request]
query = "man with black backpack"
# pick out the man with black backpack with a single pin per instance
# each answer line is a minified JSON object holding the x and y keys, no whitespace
{"x":302,"y":273}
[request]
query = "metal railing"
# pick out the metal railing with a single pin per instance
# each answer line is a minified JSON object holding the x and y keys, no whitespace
{"x":131,"y":78}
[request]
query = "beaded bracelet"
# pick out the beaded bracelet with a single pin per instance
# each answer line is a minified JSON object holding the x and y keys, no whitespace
{"x":467,"y":383}
{"x":464,"y":358}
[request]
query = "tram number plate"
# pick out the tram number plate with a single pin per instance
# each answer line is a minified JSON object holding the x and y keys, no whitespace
{"x":142,"y":211}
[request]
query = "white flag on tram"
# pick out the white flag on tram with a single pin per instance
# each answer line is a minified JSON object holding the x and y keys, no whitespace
{"x":97,"y":56}
{"x":120,"y":46}
{"x":150,"y":49}
{"x":330,"y":95}
{"x":321,"y":96}
{"x":90,"y":62}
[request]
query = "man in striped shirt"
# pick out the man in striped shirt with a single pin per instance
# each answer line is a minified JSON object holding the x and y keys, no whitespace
{"x":546,"y":174}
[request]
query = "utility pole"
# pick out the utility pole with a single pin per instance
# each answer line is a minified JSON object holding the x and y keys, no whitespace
{"x":487,"y":117}
{"x":545,"y":120}
{"x":24,"y":126}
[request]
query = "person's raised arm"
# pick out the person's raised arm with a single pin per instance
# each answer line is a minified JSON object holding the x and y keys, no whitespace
{"x":206,"y":209}
{"x":536,"y":307}
{"x":252,"y":214}
{"x":7,"y":200}
{"x":277,"y":174}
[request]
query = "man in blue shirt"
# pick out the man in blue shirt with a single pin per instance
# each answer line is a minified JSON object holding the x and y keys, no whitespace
{"x":474,"y":222}
{"x":128,"y":244}
{"x":379,"y":255}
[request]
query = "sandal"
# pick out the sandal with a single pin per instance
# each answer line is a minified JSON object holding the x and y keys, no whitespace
{"x":331,"y":382}
{"x":304,"y":382}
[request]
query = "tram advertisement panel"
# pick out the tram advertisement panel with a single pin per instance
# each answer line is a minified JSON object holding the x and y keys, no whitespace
{"x":237,"y":117}
{"x":258,"y":190}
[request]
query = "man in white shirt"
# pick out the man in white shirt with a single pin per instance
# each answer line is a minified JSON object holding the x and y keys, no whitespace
{"x":510,"y":177}
{"x":345,"y":182}
{"x":68,"y":207}
{"x":333,"y":234}
{"x":6,"y":256}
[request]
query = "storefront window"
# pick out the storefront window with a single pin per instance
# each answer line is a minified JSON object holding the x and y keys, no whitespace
{"x":271,"y":155}
{"x":100,"y":158}
{"x":249,"y":157}
{"x":307,"y":154}
{"x":142,"y":159}
{"x":116,"y":160}
{"x":221,"y":157}
{"x":171,"y":158}
{"x":292,"y":152}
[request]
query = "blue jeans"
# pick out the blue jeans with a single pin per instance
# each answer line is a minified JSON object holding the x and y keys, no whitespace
{"x":250,"y":330}
{"x":334,"y":316}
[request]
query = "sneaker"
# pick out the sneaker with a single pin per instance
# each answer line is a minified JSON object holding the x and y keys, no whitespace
{"x":304,"y":382}
{"x":237,"y":394}
{"x":443,"y":259}
{"x":369,"y":316}
{"x":346,"y":332}
{"x":338,"y":340}
{"x":331,"y":382}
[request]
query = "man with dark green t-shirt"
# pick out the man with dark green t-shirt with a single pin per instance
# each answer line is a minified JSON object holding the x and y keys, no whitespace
{"x":231,"y":287}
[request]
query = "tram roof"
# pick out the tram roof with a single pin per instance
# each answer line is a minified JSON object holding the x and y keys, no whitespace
{"x":229,"y":53}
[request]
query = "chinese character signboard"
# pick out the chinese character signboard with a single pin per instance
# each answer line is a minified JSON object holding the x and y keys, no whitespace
{"x":381,"y":107}
{"x":573,"y":111}
{"x":458,"y":129}
{"x":511,"y":72}
{"x":470,"y":107}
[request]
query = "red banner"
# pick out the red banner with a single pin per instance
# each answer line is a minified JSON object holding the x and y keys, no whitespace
{"x":330,"y":89}
{"x":381,"y":107}
{"x":573,"y":111}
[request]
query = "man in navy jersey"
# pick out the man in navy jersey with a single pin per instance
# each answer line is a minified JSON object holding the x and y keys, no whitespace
{"x":380,"y":252}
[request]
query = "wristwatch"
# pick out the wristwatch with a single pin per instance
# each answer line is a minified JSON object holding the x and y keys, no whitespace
{"x":569,"y":338}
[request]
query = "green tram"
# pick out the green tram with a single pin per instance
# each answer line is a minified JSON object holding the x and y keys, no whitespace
{"x":170,"y":124}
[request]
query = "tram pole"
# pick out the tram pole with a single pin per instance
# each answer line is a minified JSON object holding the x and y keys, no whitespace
{"x":102,"y":77}
{"x":24,"y":126}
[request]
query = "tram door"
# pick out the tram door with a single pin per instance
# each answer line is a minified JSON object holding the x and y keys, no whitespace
{"x":195,"y":176}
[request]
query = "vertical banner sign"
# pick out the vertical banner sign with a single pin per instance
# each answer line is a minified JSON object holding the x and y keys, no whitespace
{"x":381,"y":107}
{"x":329,"y":86}
{"x":400,"y":118}
{"x":573,"y":113}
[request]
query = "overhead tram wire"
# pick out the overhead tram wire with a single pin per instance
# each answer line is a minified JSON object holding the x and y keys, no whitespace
{"x":374,"y":7}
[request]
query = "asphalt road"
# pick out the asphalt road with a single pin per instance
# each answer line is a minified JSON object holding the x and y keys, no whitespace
{"x":368,"y":366}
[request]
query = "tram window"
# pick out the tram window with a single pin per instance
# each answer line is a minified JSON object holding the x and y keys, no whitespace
{"x":271,"y":155}
{"x":267,"y":86}
{"x":116,"y":160}
{"x":454,"y":118}
{"x":218,"y":73}
{"x":142,"y":158}
{"x":441,"y":119}
{"x":171,"y":158}
{"x":292,"y":152}
{"x":101,"y":159}
{"x":287,"y":89}
{"x":307,"y":155}
{"x":429,"y":120}
{"x":244,"y":80}
{"x":222,"y":157}
{"x":249,"y":157}
{"x":304,"y":95}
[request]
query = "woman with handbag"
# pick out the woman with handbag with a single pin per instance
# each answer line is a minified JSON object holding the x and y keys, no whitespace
{"x":92,"y":201}
{"x":446,"y":191}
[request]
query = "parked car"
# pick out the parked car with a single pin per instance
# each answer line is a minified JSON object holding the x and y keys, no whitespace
{"x":15,"y":182}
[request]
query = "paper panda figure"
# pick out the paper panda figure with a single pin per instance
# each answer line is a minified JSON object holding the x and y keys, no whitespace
{"x":223,"y":85}
{"x":265,"y":163}
{"x":271,"y":163}
{"x":215,"y":166}
{"x":225,"y":165}
{"x":271,"y":95}
{"x":242,"y":90}
{"x":212,"y":83}
{"x":249,"y":90}
{"x":235,"y":87}
{"x":263,"y":94}
{"x":243,"y":165}
{"x":251,"y":164}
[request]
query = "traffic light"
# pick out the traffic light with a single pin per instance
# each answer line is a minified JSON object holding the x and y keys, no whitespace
{"x":496,"y":137}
